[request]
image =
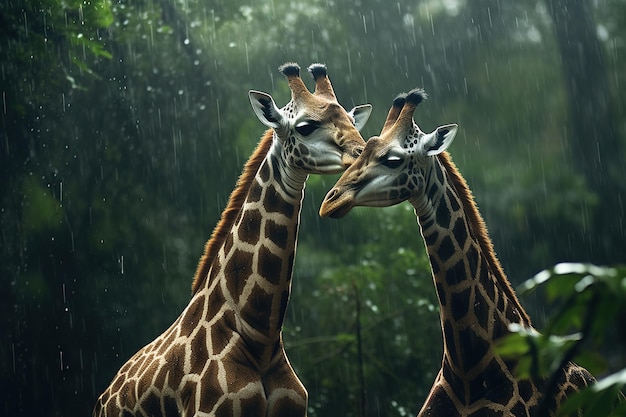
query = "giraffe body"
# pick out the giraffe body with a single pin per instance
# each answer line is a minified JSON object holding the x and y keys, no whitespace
{"x":477,"y":303}
{"x":224,"y":354}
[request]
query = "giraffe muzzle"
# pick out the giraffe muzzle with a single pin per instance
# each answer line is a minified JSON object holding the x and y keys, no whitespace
{"x":336,"y":204}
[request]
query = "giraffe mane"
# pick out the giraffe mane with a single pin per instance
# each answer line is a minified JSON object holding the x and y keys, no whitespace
{"x":480,"y":229}
{"x":229,"y":215}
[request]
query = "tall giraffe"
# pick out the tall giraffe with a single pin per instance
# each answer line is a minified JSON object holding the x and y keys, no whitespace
{"x":477,"y":302}
{"x":224,"y":354}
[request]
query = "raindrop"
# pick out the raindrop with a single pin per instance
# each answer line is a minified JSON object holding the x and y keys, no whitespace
{"x":247,"y":57}
{"x":13,"y":355}
{"x":219,"y":117}
{"x":432,"y":24}
{"x":602,"y":33}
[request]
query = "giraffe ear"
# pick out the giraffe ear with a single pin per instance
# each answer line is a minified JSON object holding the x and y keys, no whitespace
{"x":439,"y":140}
{"x":265,"y":109}
{"x":360,"y":114}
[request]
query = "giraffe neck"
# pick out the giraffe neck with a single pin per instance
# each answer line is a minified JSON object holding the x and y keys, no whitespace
{"x":249,"y":280}
{"x":476,"y":300}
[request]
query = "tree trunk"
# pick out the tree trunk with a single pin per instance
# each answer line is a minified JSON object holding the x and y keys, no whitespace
{"x":593,"y":136}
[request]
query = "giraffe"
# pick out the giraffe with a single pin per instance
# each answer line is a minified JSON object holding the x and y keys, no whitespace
{"x":476,"y":300}
{"x":224,"y":354}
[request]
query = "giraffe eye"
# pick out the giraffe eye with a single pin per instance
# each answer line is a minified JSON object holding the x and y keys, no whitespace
{"x":391,"y":161}
{"x":306,"y":128}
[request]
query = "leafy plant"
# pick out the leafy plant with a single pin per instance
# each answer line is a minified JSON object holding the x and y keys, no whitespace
{"x":588,"y":299}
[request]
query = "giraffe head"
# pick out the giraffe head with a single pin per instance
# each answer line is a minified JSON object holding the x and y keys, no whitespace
{"x":316,"y":133}
{"x":393,"y":166}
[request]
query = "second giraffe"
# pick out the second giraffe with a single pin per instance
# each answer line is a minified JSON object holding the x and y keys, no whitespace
{"x":477,"y":303}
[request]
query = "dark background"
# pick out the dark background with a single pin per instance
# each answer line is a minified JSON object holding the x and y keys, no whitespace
{"x":124,"y":126}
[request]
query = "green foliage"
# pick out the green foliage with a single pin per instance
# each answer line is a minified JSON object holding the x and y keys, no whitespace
{"x":42,"y":211}
{"x":600,"y":399}
{"x":36,"y":31}
{"x":588,"y":297}
{"x":359,"y":315}
{"x":587,"y":300}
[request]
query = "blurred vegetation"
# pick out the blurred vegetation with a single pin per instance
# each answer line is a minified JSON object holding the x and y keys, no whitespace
{"x":589,"y":302}
{"x":124,"y":126}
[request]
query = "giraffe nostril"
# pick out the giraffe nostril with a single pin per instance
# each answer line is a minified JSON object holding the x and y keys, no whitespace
{"x":332,"y":194}
{"x":358,"y":151}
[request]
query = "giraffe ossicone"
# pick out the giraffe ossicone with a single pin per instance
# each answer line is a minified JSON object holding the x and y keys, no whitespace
{"x":224,"y":355}
{"x":477,"y":302}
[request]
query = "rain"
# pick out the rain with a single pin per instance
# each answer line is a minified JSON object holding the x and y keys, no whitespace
{"x":125,"y":125}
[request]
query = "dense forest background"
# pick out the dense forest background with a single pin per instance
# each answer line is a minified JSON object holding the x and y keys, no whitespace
{"x":124,"y":126}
